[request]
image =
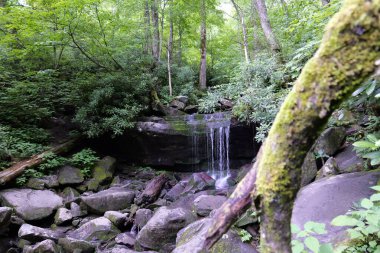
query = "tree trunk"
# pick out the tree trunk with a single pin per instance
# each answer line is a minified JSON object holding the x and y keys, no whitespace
{"x":148,"y":36}
{"x":17,"y":169}
{"x":170,"y":51}
{"x":152,"y":190}
{"x":334,"y":72}
{"x":244,"y":31}
{"x":179,"y":53}
{"x":156,"y":30}
{"x":325,"y":2}
{"x":203,"y":65}
{"x":265,"y":24}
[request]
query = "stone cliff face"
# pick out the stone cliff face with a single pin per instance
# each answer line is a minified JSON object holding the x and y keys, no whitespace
{"x":183,"y":142}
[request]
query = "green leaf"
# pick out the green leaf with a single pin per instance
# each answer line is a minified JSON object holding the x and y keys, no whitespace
{"x":366,"y":203}
{"x":312,"y":243}
{"x":297,"y":246}
{"x":344,"y":220}
{"x":371,"y":88}
{"x":364,"y":144}
{"x":326,"y":248}
{"x":375,"y":197}
{"x":315,"y":227}
{"x":376,"y":188}
{"x":295,"y":229}
{"x":375,"y":162}
{"x":372,"y":155}
{"x":358,"y":91}
{"x":371,"y":138}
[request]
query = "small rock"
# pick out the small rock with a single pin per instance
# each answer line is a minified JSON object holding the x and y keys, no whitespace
{"x":69,"y":194}
{"x":5,"y":217}
{"x":117,"y":218}
{"x":69,"y":175}
{"x":177,"y":104}
{"x":71,"y":245}
{"x":330,"y":140}
{"x":51,"y":181}
{"x":225,"y":103}
{"x":190,"y":109}
{"x":76,"y":210}
{"x":47,"y":246}
{"x":104,"y":169}
{"x":183,"y":99}
{"x":126,"y":239}
{"x":176,"y":191}
{"x":161,"y":229}
{"x":113,"y":199}
{"x":35,"y":183}
{"x":199,"y":182}
{"x":142,"y":217}
{"x":348,"y":161}
{"x":96,"y":229}
{"x":37,"y":234}
{"x":330,"y":168}
{"x":31,"y":204}
{"x":63,"y":216}
{"x":204,"y":204}
{"x":309,"y":169}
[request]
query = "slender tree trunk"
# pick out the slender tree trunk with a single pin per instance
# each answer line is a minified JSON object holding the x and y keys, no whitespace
{"x":156,"y":30}
{"x":162,"y":22}
{"x":285,"y":7}
{"x":203,"y":65}
{"x":334,"y":72}
{"x":325,"y":2}
{"x":266,"y":26}
{"x":179,"y":54}
{"x":244,"y":31}
{"x":170,"y":50}
{"x":148,"y":36}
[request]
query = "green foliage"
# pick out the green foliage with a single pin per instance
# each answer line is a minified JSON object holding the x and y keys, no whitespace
{"x":85,"y":160}
{"x":305,"y":239}
{"x":245,"y":236}
{"x":369,"y":148}
{"x":365,"y":225}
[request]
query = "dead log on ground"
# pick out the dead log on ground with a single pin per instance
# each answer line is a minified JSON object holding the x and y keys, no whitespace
{"x":152,"y":190}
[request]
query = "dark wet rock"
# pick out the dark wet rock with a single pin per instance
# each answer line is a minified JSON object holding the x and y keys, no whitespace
{"x":46,"y":246}
{"x":204,"y":204}
{"x":126,"y":239}
{"x":117,"y":218}
{"x":113,"y":199}
{"x":329,"y":197}
{"x":183,"y":99}
{"x":63,"y":216}
{"x":37,"y":234}
{"x":348,"y":161}
{"x":190,"y":109}
{"x":161,"y":230}
{"x":70,"y":245}
{"x":330,"y":168}
{"x":31,"y":204}
{"x":199,"y":182}
{"x":35,"y":183}
{"x":5,"y":217}
{"x":103,"y":172}
{"x":189,"y":240}
{"x":330,"y":141}
{"x":309,"y":169}
{"x":123,"y":249}
{"x":174,"y":193}
{"x":69,"y":194}
{"x":97,"y":229}
{"x":69,"y":175}
{"x":177,"y":104}
{"x":142,"y":217}
{"x":76,"y":210}
{"x":225,"y":104}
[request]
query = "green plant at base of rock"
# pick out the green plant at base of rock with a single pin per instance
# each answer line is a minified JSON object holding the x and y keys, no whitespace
{"x":245,"y":236}
{"x":305,"y":238}
{"x":369,"y":148}
{"x":85,"y":160}
{"x":365,"y":226}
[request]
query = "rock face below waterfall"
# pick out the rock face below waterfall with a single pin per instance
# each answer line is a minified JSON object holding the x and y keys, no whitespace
{"x":169,"y":142}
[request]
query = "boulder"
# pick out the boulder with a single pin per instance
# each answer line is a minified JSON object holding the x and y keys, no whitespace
{"x":190,"y":109}
{"x":69,"y":175}
{"x":97,"y":229}
{"x":199,"y":182}
{"x":76,"y":210}
{"x":123,"y":249}
{"x":104,"y":169}
{"x":309,"y":169}
{"x":62,"y":216}
{"x":117,"y":218}
{"x":174,"y":193}
{"x":70,"y":245}
{"x":44,"y":182}
{"x":348,"y":161}
{"x":126,"y":239}
{"x":142,"y":217}
{"x":183,"y":99}
{"x":31,"y":204}
{"x":37,"y":234}
{"x":113,"y":199}
{"x":225,"y":104}
{"x":5,"y":217}
{"x":161,"y":230}
{"x":330,"y":141}
{"x":189,"y":240}
{"x":69,"y":194}
{"x":330,"y":168}
{"x":178,"y":104}
{"x":204,"y":204}
{"x":47,"y":246}
{"x":329,"y":197}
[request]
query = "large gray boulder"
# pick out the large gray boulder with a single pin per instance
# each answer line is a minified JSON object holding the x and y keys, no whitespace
{"x":348,"y":161}
{"x":47,"y":246}
{"x":199,"y":182}
{"x":161,"y":230}
{"x":113,"y":199}
{"x":189,"y":240}
{"x":142,"y":217}
{"x":72,"y":245}
{"x":31,"y":204}
{"x":327,"y":198}
{"x":204,"y":204}
{"x":69,"y":175}
{"x":37,"y":234}
{"x":97,"y":229}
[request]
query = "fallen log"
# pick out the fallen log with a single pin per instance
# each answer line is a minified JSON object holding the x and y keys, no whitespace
{"x":17,"y":169}
{"x":152,"y":190}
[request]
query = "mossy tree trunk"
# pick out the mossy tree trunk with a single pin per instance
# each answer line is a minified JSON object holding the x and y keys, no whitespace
{"x":348,"y":55}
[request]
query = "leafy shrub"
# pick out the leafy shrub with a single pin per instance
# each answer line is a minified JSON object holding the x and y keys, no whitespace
{"x":85,"y":160}
{"x":369,"y":148}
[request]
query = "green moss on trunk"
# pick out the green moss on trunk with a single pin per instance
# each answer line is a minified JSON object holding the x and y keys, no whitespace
{"x":346,"y":57}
